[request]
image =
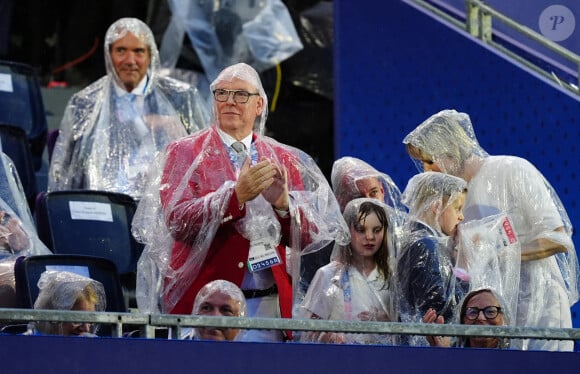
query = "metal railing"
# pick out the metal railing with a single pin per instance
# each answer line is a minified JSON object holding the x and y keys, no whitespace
{"x":149,"y":323}
{"x":478,"y":23}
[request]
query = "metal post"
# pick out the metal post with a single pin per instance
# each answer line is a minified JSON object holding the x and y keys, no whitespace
{"x":472,"y":19}
{"x":486,"y":27}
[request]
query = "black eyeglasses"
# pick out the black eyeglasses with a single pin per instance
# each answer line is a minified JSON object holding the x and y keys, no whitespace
{"x":240,"y":96}
{"x":490,"y":312}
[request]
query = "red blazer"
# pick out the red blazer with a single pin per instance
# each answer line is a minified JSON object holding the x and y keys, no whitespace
{"x":228,"y":252}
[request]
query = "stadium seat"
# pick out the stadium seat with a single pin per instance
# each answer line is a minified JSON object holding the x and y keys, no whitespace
{"x":92,"y":223}
{"x":21,"y":105}
{"x":27,"y":271}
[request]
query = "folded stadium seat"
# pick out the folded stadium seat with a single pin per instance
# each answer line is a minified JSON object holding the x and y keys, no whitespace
{"x":92,"y":223}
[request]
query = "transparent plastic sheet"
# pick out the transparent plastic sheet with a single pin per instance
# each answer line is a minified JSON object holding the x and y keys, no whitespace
{"x":218,"y":298}
{"x":352,"y":178}
{"x":428,"y":194}
{"x":426,"y":279}
{"x":17,"y":228}
{"x":512,"y":186}
{"x":312,"y":68}
{"x":339,"y":291}
{"x":348,"y":178}
{"x":490,"y":253}
{"x":325,"y":298}
{"x":428,"y":257}
{"x":260,"y":34}
{"x":195,"y":203}
{"x":61,"y":290}
{"x":194,"y":78}
{"x":108,"y":141}
{"x":18,"y":236}
{"x":223,"y":287}
{"x":11,"y":189}
{"x":447,"y":146}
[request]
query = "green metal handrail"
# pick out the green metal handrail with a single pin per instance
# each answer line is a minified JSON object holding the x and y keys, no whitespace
{"x":149,"y":323}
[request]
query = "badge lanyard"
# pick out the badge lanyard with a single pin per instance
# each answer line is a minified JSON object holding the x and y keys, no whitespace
{"x":345,"y":280}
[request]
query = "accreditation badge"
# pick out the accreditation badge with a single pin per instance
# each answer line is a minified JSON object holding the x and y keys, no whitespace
{"x":263,"y":255}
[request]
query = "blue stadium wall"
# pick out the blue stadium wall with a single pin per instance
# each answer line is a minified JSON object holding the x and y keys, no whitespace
{"x":48,"y":355}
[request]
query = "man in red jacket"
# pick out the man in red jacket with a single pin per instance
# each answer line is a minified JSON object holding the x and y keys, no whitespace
{"x":239,"y":206}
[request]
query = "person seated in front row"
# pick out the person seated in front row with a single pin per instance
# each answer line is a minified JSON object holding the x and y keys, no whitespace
{"x":481,"y":307}
{"x":218,"y":298}
{"x":62,"y":290}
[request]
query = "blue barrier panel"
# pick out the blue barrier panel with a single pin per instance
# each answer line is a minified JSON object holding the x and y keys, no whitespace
{"x":47,"y":355}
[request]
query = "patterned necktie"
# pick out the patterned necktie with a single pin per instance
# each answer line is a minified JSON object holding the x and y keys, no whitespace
{"x":240,"y":149}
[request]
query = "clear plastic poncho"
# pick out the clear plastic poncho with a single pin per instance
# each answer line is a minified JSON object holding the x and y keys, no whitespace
{"x":426,"y":264}
{"x":109,"y":138}
{"x":179,"y":228}
{"x":340,"y":291}
{"x":350,"y":175}
{"x":490,"y":254}
{"x":222,"y":288}
{"x":259,"y":33}
{"x":446,"y":139}
{"x":514,"y":187}
{"x":60,"y":290}
{"x":18,"y":234}
{"x":353,"y":178}
{"x":16,"y":237}
{"x":11,"y":188}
